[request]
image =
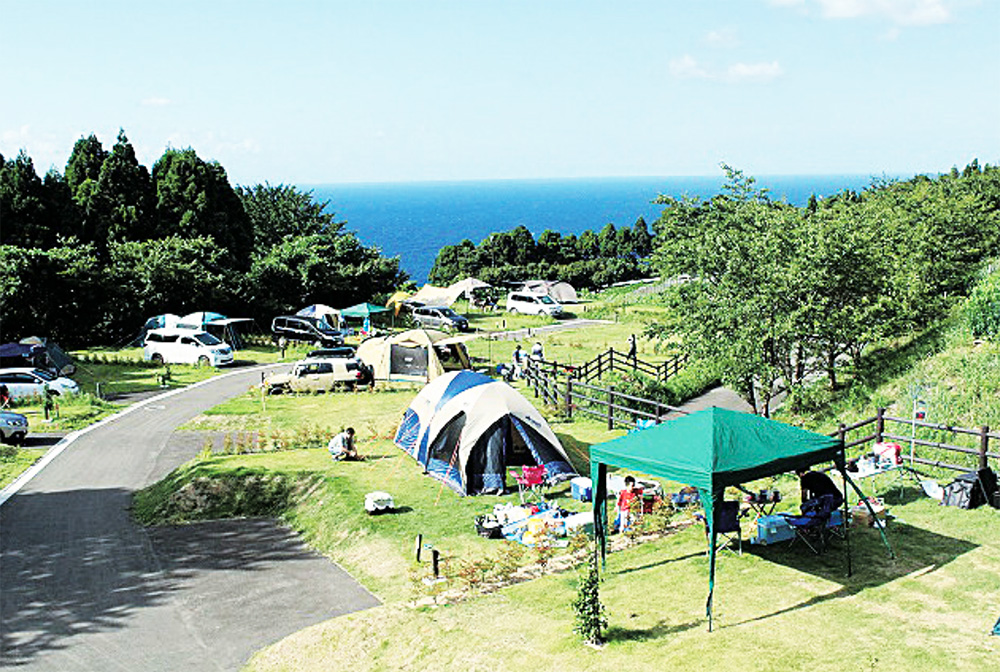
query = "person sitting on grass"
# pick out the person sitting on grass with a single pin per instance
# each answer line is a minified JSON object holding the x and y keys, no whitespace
{"x":342,"y":448}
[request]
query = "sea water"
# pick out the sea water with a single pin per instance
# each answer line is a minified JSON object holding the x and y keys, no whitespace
{"x":415,"y":220}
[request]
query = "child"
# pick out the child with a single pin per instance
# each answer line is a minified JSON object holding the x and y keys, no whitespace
{"x":624,"y":518}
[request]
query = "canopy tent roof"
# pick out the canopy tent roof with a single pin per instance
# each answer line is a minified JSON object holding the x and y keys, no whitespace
{"x":363,"y":310}
{"x":465,"y":287}
{"x":710,"y":450}
{"x":717,"y":447}
{"x":199,"y":319}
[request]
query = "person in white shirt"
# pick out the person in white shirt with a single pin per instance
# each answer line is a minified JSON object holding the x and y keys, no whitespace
{"x":341,"y":446}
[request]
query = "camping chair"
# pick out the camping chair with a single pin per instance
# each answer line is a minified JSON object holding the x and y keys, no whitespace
{"x":727,"y":526}
{"x":811,"y":524}
{"x":531,"y":479}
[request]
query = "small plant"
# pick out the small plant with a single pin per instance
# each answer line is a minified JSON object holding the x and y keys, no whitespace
{"x":8,"y":453}
{"x":508,"y":560}
{"x":206,"y":449}
{"x":591,"y":619}
{"x":474,"y":572}
{"x":227,"y":444}
{"x":544,"y":549}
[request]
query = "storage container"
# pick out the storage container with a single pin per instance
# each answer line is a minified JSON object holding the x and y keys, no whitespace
{"x":772,"y":529}
{"x":580,"y":488}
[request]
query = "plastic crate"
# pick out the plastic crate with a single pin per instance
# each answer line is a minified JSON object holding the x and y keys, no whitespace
{"x":773,"y":529}
{"x":580,"y":489}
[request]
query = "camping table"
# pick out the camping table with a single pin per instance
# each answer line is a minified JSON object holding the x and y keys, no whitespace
{"x":900,"y":473}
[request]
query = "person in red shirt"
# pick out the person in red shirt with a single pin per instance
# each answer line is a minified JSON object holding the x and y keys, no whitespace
{"x":626,"y":497}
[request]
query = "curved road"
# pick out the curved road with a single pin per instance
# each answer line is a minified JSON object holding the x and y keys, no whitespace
{"x":82,"y":587}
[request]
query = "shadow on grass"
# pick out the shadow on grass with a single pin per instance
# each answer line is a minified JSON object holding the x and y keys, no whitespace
{"x":658,"y":631}
{"x":916,"y":549}
{"x":660,"y":563}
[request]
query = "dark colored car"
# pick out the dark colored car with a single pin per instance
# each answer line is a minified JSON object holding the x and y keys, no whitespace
{"x":345,"y":352}
{"x":305,"y":329}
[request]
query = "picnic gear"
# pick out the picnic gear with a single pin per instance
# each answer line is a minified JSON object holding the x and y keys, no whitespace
{"x":379,"y":502}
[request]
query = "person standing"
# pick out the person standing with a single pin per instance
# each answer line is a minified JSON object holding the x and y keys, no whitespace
{"x":517,"y":359}
{"x":537,"y":353}
{"x":631,"y":348}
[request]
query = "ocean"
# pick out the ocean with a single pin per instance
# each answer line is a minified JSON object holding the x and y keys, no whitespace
{"x":413,"y":220}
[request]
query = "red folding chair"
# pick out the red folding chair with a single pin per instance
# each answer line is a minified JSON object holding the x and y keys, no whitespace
{"x":531,"y":479}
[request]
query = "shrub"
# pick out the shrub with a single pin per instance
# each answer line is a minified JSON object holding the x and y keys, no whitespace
{"x":591,"y":619}
{"x":982,"y":308}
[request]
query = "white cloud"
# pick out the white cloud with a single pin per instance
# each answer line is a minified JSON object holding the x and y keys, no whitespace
{"x":898,"y":12}
{"x":754,"y":72}
{"x":686,"y":67}
{"x":725,"y":38}
{"x":155,"y":102}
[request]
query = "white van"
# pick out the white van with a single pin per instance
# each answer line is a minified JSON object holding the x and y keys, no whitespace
{"x":185,"y":346}
{"x":533,"y":304}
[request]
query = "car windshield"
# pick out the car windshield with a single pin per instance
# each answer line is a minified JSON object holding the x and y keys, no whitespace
{"x":545,"y":299}
{"x":44,"y":375}
{"x":448,"y":312}
{"x":206,"y":338}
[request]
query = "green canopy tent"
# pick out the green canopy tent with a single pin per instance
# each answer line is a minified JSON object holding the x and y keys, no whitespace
{"x":711,"y":450}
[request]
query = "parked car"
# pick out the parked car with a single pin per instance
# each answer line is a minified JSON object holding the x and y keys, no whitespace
{"x":13,"y":427}
{"x":319,"y":375}
{"x":533,"y":304}
{"x":27,"y":382}
{"x":185,"y":346}
{"x":440,"y":317}
{"x":305,"y":329}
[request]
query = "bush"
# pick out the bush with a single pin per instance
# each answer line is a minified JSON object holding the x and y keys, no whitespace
{"x":695,"y":378}
{"x":982,"y":308}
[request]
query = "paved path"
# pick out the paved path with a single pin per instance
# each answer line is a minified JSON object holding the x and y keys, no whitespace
{"x":519,"y":334}
{"x":84,"y":588}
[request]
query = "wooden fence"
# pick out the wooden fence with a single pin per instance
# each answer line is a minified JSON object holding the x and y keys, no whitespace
{"x":557,"y":386}
{"x":613,"y":361}
{"x":884,"y":427}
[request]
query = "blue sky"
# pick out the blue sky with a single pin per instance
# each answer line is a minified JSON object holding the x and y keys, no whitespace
{"x":375,"y":91}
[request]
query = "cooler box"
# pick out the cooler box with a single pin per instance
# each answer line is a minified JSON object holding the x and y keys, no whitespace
{"x":580,"y":488}
{"x":772,"y":529}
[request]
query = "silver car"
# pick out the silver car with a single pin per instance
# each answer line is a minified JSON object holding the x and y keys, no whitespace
{"x":13,"y":427}
{"x":26,"y":382}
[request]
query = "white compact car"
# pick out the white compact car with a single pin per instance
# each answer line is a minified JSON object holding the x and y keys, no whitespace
{"x":26,"y":382}
{"x":533,"y":304}
{"x":186,"y":346}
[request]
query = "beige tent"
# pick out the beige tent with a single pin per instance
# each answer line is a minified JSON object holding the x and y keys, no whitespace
{"x":415,"y":355}
{"x":560,"y":292}
{"x":429,"y":295}
{"x":465,"y":287}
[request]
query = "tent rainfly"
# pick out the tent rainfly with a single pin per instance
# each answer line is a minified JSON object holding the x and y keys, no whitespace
{"x":415,"y":355}
{"x":466,"y":428}
{"x":322,"y":312}
{"x":560,"y":292}
{"x":711,"y":450}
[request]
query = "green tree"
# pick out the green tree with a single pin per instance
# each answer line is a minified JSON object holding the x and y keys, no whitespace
{"x":194,"y":199}
{"x":607,"y":241}
{"x":121,"y":202}
{"x":590,"y":615}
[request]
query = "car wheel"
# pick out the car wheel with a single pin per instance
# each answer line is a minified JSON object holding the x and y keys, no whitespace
{"x":275,"y":389}
{"x":513,"y":311}
{"x":203,"y":361}
{"x":17,"y":439}
{"x":157,"y":358}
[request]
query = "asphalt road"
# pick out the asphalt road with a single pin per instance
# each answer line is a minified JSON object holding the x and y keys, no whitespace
{"x":82,"y":587}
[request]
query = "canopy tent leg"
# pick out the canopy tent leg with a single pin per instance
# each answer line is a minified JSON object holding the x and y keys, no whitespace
{"x":844,"y":522}
{"x":864,"y":499}
{"x":708,"y":502}
{"x":599,"y":483}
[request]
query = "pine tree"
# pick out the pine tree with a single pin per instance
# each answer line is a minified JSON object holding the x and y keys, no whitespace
{"x":591,"y":619}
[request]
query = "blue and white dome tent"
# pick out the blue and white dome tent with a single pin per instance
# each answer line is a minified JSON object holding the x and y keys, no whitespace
{"x":467,"y":429}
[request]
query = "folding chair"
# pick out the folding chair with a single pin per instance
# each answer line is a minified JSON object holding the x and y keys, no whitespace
{"x":811,"y":524}
{"x":531,"y":479}
{"x":727,"y":526}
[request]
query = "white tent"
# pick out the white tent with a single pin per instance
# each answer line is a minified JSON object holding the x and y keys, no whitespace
{"x":466,"y":429}
{"x":465,"y":287}
{"x":560,"y":292}
{"x":323,"y":312}
{"x":415,"y":355}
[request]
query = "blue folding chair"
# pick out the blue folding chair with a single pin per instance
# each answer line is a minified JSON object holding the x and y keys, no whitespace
{"x":811,"y":524}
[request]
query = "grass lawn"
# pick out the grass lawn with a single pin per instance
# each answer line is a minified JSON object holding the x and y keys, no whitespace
{"x":13,"y":466}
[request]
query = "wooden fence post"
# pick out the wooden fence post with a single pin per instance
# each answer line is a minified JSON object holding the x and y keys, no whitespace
{"x":420,"y":544}
{"x":879,"y":425}
{"x":659,"y":413}
{"x":569,"y":396}
{"x":842,"y":433}
{"x":984,"y":444}
{"x":611,"y":407}
{"x":435,"y":561}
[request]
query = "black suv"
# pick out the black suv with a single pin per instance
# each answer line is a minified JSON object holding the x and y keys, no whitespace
{"x":306,"y":329}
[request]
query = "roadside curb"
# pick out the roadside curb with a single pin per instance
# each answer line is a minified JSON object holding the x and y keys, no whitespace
{"x":54,"y":452}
